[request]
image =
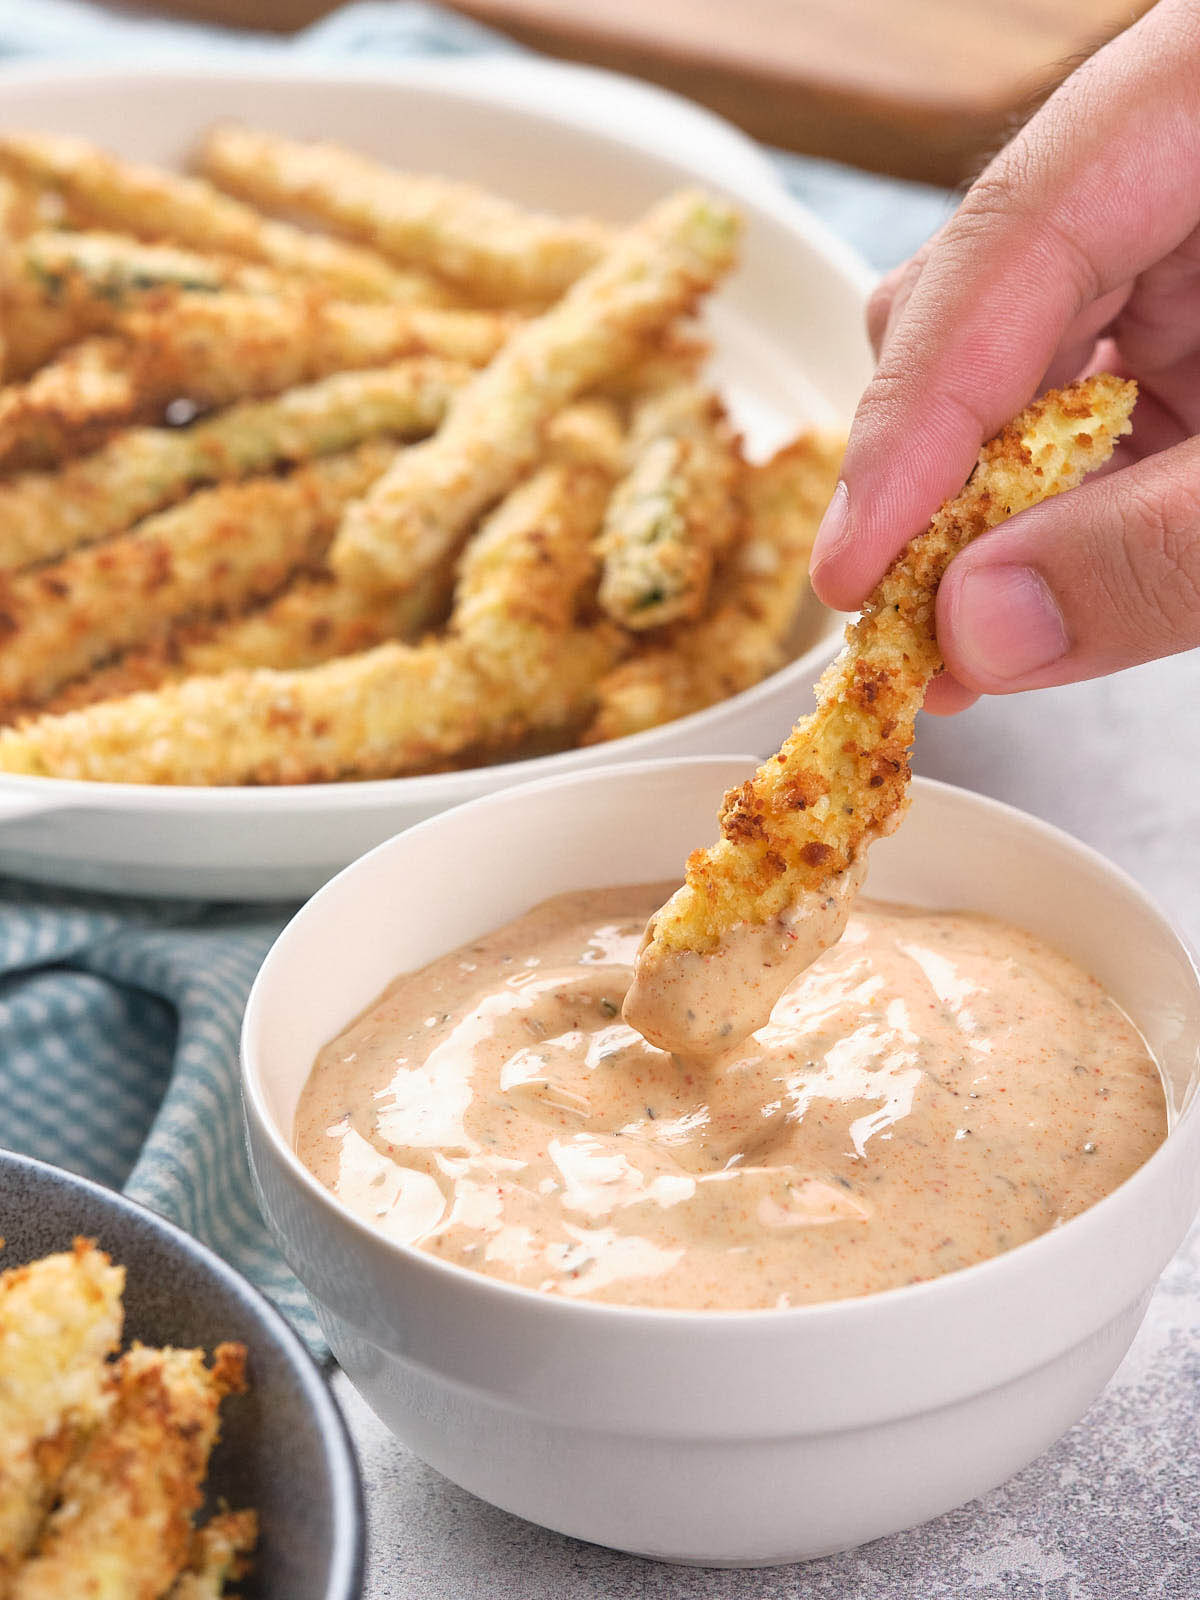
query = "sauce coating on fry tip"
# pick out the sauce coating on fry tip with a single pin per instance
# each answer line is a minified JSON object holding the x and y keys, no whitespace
{"x":697,"y":1006}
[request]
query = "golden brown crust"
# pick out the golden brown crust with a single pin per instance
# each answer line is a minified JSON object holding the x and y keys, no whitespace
{"x":212,"y":554}
{"x":60,"y":1318}
{"x":757,"y":592}
{"x":220,"y":1553}
{"x":493,"y":433}
{"x":123,"y":1524}
{"x":101,"y":190}
{"x":131,"y":616}
{"x":675,"y":511}
{"x":496,"y":251}
{"x":45,"y":514}
{"x":515,"y":660}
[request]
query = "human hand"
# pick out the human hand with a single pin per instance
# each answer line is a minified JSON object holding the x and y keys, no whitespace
{"x":1077,"y":250}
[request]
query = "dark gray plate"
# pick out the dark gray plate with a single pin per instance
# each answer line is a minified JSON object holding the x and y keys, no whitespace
{"x":284,"y":1447}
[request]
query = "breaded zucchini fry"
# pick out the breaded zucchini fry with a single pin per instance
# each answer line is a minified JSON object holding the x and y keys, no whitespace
{"x":20,"y":209}
{"x":498,"y":252}
{"x":67,"y":406}
{"x":42,"y":515}
{"x":368,"y":715}
{"x":757,"y":594}
{"x":514,"y":661}
{"x":518,"y":591}
{"x":418,"y":512}
{"x":64,"y":285}
{"x":215,"y":350}
{"x":792,"y":833}
{"x":215,"y":553}
{"x":315,"y":619}
{"x":589,"y":433}
{"x":674,"y":513}
{"x":60,"y":1318}
{"x":220,"y":1552}
{"x":123,"y":1527}
{"x":154,"y":204}
{"x":675,"y":358}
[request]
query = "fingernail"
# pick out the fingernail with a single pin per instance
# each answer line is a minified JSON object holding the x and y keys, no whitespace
{"x":1007,"y":624}
{"x":831,"y":535}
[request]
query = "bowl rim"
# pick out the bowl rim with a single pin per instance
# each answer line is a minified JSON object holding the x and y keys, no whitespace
{"x":22,"y":794}
{"x":997,"y":1267}
{"x":347,"y":1553}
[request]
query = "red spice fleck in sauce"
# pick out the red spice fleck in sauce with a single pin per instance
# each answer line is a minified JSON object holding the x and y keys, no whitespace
{"x":934,"y":1089}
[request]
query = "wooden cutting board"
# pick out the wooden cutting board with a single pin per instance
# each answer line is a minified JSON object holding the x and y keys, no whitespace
{"x":918,"y":88}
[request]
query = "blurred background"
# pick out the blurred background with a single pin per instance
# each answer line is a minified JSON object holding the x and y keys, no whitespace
{"x":921,"y":89}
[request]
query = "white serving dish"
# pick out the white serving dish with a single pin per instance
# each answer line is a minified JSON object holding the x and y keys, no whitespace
{"x":722,"y":1438}
{"x":792,"y":348}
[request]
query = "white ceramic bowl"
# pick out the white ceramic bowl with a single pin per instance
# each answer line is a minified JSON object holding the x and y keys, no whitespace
{"x":748,"y":1437}
{"x":792,"y":347}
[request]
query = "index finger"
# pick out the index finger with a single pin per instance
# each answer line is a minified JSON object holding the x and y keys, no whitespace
{"x":1098,"y":185}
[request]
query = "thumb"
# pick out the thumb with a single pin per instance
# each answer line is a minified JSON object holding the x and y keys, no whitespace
{"x":1096,"y":580}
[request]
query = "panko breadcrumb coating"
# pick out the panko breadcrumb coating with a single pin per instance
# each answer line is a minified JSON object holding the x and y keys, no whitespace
{"x":318,"y":618}
{"x":315,"y":619}
{"x":419,"y":511}
{"x":67,"y":406}
{"x":101,"y":190}
{"x":515,"y":605}
{"x":62,"y":285}
{"x":20,"y":209}
{"x":218,"y":1555}
{"x":756,"y":596}
{"x":122,"y":1529}
{"x":60,"y":1318}
{"x":215,"y":350}
{"x":45,"y":514}
{"x":675,"y":511}
{"x":369,"y":715}
{"x":515,"y":661}
{"x":499,"y":252}
{"x":842,"y":776}
{"x":215,"y":552}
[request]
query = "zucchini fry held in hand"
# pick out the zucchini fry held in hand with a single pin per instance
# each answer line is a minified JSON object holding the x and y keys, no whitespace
{"x":123,"y":1525}
{"x":758,"y":906}
{"x":499,"y":252}
{"x":60,"y":1319}
{"x":514,"y":661}
{"x":757,"y":594}
{"x":101,"y":191}
{"x":417,"y":513}
{"x":45,"y":514}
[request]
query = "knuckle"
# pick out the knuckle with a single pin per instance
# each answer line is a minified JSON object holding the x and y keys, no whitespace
{"x":1014,"y":199}
{"x":1155,"y":582}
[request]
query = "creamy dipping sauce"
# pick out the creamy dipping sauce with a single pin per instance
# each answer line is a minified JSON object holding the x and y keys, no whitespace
{"x":935,"y":1089}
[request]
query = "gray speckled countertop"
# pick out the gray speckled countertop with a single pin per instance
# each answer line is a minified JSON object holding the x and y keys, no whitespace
{"x":1112,"y":1512}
